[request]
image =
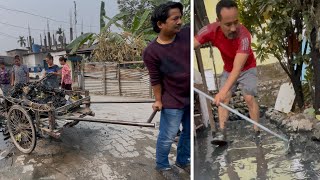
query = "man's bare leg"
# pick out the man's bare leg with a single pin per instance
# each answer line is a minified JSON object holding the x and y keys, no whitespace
{"x":223,"y":113}
{"x":253,"y":109}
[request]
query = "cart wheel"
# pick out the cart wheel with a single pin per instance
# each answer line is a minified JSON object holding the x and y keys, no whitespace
{"x":21,"y":129}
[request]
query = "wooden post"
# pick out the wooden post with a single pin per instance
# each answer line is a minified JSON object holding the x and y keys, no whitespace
{"x":51,"y":117}
{"x":150,"y":91}
{"x":214,"y":68}
{"x":37,"y":118}
{"x":104,"y":79}
{"x":201,"y":69}
{"x":87,"y":103}
{"x":119,"y":79}
{"x":150,"y":88}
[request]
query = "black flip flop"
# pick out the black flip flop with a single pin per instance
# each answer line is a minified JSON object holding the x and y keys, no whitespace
{"x":221,"y":142}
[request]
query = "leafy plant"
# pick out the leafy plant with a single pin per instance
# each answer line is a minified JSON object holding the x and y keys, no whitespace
{"x":22,"y":41}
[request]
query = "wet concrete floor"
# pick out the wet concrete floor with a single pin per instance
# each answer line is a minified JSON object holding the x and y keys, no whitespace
{"x":245,"y":159}
{"x":92,"y":150}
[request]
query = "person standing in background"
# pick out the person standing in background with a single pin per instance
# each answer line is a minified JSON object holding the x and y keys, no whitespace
{"x":54,"y":70}
{"x":20,"y":72}
{"x":66,"y":82}
{"x":4,"y":79}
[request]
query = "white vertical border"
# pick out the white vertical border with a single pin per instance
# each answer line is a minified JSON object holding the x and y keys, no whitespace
{"x":192,"y":93}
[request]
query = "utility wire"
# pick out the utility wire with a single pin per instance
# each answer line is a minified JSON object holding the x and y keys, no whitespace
{"x":37,"y":15}
{"x":8,"y":35}
{"x":20,"y":26}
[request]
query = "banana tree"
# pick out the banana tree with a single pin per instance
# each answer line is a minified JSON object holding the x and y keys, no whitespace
{"x":134,"y":37}
{"x":136,"y":30}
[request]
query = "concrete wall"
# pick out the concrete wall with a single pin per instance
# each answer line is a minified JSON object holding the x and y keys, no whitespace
{"x":8,"y":61}
{"x":35,"y":59}
{"x":19,"y":52}
{"x":32,"y":60}
{"x":56,"y":56}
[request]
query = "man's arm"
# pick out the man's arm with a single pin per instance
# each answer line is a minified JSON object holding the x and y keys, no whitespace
{"x":157,"y":94}
{"x":238,"y":64}
{"x":58,"y":73}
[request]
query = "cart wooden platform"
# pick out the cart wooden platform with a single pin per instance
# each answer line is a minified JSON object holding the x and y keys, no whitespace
{"x":27,"y":120}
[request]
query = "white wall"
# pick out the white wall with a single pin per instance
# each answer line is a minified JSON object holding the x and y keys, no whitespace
{"x":32,"y":60}
{"x":56,"y":56}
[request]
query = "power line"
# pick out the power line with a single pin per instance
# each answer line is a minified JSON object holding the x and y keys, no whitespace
{"x":20,"y":26}
{"x":16,"y":10}
{"x":37,"y":15}
{"x":8,"y":35}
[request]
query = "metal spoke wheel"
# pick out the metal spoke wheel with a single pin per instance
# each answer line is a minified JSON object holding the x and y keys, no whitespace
{"x":21,"y":129}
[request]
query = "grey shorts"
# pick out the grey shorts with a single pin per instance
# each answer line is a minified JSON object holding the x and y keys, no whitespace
{"x":247,"y":82}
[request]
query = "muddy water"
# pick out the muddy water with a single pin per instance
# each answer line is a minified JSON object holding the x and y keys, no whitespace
{"x":245,"y":159}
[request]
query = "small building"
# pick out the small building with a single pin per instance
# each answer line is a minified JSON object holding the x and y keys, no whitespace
{"x":19,"y":52}
{"x":8,"y":60}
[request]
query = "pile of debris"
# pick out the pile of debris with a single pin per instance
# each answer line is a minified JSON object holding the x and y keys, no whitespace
{"x":39,"y":92}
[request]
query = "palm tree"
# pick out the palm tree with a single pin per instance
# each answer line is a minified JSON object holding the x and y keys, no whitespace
{"x":22,"y":41}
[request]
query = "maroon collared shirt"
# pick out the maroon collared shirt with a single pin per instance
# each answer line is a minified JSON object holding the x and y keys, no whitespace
{"x":169,"y":65}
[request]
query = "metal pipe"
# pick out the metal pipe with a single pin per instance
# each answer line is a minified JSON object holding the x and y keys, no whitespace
{"x":142,"y":124}
{"x":152,"y":116}
{"x":143,"y":101}
{"x":241,"y":115}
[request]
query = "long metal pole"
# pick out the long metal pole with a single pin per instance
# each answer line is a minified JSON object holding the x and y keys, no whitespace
{"x":241,"y":115}
{"x":142,"y":124}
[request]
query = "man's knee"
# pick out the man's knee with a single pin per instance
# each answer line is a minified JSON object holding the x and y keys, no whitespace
{"x":250,"y":100}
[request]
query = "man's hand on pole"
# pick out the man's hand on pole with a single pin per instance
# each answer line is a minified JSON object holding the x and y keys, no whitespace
{"x":220,"y":97}
{"x":157,"y":106}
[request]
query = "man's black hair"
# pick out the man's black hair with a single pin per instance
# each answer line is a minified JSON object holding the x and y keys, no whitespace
{"x":17,"y":57}
{"x":225,"y":4}
{"x":161,"y":13}
{"x":49,"y":56}
{"x":62,"y":59}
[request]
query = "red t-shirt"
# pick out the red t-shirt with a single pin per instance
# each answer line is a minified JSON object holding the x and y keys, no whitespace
{"x":228,"y":47}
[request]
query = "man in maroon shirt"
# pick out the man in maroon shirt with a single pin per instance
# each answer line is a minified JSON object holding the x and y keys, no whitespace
{"x":168,"y":61}
{"x":233,"y":41}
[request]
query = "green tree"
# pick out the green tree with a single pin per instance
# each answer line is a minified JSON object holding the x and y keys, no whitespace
{"x":136,"y":8}
{"x":280,"y":27}
{"x":22,"y":41}
{"x":136,"y":32}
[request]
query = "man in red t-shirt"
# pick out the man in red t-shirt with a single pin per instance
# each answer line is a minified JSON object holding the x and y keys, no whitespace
{"x":233,"y":41}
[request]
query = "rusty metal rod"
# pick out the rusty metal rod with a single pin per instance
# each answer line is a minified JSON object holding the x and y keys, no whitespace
{"x":130,"y":123}
{"x":101,"y":102}
{"x":152,"y":116}
{"x":74,"y":104}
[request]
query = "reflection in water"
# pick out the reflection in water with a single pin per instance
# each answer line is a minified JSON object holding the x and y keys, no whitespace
{"x":245,"y":159}
{"x":262,"y":165}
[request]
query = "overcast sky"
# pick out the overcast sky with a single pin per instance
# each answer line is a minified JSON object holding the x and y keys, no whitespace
{"x":59,"y":10}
